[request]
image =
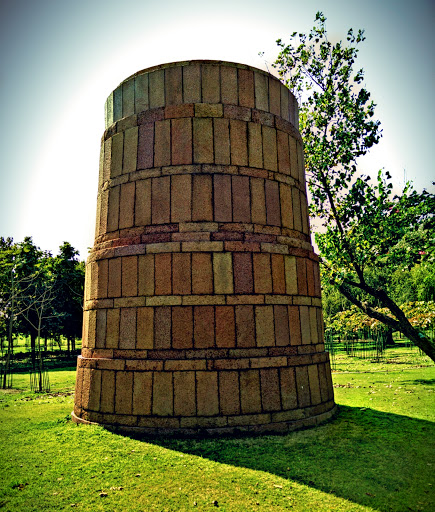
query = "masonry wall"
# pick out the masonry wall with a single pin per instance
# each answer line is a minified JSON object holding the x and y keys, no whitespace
{"x":202,"y":300}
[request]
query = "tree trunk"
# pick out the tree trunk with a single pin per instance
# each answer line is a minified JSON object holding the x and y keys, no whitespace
{"x":422,"y":341}
{"x":33,"y":348}
{"x":389,"y":338}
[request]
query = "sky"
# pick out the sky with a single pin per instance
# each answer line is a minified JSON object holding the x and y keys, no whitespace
{"x":60,"y":59}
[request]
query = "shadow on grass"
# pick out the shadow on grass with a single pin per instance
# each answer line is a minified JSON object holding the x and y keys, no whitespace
{"x":379,"y":460}
{"x":424,"y":382}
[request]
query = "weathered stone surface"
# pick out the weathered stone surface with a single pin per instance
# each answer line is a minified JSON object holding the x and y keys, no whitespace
{"x":202,"y":296}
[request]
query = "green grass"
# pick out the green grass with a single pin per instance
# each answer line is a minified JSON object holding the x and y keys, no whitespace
{"x":377,"y":454}
{"x":22,"y":344}
{"x":398,"y":357}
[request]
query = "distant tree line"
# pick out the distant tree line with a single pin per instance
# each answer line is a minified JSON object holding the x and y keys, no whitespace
{"x":41,"y":295}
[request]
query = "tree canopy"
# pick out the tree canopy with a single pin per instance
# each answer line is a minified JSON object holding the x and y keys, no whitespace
{"x":40,"y":294}
{"x":368,"y":234}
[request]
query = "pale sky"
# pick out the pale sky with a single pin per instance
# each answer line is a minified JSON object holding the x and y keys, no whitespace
{"x":60,"y":59}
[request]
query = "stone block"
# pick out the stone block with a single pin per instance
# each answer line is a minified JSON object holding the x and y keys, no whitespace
{"x":113,"y":209}
{"x":173,"y":86}
{"x":181,"y":141}
{"x":289,"y":396}
{"x":255,"y":146}
{"x":282,"y":333}
{"x":273,"y":213}
{"x":243,"y":277}
{"x":177,"y":111}
{"x":107,"y":401}
{"x":145,"y":150}
{"x":146,"y":275}
{"x":184,"y":394}
{"x":225,"y":327}
{"x":181,"y":273}
{"x":278,"y":273}
{"x":229,"y":89}
{"x":209,"y":110}
{"x":223,"y":273}
{"x":94,"y":390}
{"x":129,"y":278}
{"x":145,"y":328}
{"x":163,"y":274}
{"x":162,"y":327}
{"x":222,"y":198}
{"x":192,"y":83}
{"x":210,"y":84}
{"x":221,"y":134}
{"x":203,"y":140}
{"x":258,"y":201}
{"x":163,"y":394}
{"x":207,"y":393}
{"x":235,"y":112}
{"x":162,"y":143}
{"x":160,"y":200}
{"x":126,"y":205}
{"x":130,"y":150}
{"x":124,"y":393}
{"x":142,"y":393}
{"x":264,"y":326}
{"x":262,"y":273}
{"x":261,"y":84}
{"x":112,"y":336}
{"x":157,"y":88}
{"x":304,"y":315}
{"x":270,"y":390}
{"x":297,"y":213}
{"x":239,"y":142}
{"x":182,"y":327}
{"x":141,"y":95}
{"x":203,"y":326}
{"x":286,"y":205}
{"x":270,"y":154}
{"x":241,"y":199}
{"x":313,"y":378}
{"x":202,"y":206}
{"x":245,"y":326}
{"x":143,"y":203}
{"x":275,"y":96}
{"x":285,"y":114}
{"x":314,"y":337}
{"x":246,"y":88}
{"x":283,"y":152}
{"x":127,"y":329}
{"x":128,"y":98}
{"x":291,"y":282}
{"x":100,"y":335}
{"x":229,"y":393}
{"x":117,"y":103}
{"x":303,"y":386}
{"x":202,"y":273}
{"x":250,"y":396}
{"x":301,"y":270}
{"x":114,"y":284}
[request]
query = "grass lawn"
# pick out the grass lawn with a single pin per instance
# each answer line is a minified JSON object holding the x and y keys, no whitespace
{"x":377,"y":454}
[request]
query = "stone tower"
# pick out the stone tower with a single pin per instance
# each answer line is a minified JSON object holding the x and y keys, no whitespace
{"x":202,"y":300}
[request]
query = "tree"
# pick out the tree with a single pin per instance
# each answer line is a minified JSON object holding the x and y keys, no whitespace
{"x":364,"y":226}
{"x":70,"y":275}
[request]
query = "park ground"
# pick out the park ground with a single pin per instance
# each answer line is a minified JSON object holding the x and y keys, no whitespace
{"x":377,"y":454}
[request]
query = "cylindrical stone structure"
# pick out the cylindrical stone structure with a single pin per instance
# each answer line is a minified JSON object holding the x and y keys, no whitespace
{"x":202,"y":296}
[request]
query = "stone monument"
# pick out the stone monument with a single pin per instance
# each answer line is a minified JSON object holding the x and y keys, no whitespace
{"x":202,"y":296}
